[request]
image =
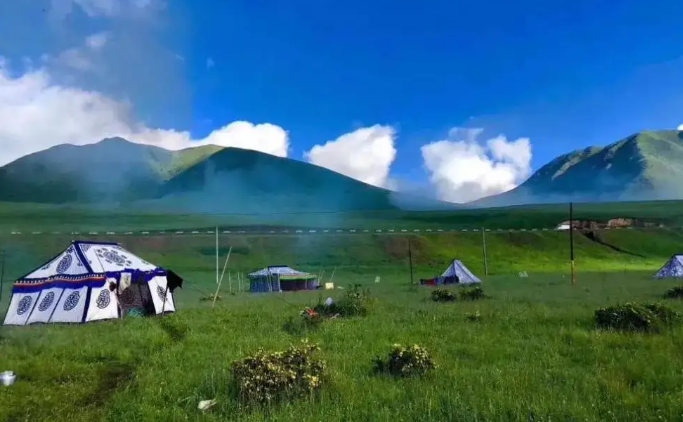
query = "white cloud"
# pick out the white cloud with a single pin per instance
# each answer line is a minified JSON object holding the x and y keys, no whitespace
{"x":210,"y":63}
{"x":365,"y":154}
{"x":105,"y":8}
{"x":680,"y":127}
{"x":36,"y":113}
{"x":97,"y":41}
{"x":463,"y":169}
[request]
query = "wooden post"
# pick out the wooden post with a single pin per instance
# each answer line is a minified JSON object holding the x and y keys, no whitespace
{"x":410,"y":261}
{"x":483,"y":243}
{"x":2,"y":271}
{"x":571,"y":241}
{"x":216,"y":255}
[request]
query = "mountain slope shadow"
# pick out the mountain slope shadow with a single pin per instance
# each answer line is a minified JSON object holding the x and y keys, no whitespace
{"x":595,"y":237}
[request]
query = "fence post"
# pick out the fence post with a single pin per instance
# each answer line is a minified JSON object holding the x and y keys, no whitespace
{"x":483,"y":243}
{"x":2,"y":271}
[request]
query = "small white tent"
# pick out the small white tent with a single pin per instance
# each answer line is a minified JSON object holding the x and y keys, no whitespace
{"x":673,"y":268}
{"x":458,"y":269}
{"x":90,"y":281}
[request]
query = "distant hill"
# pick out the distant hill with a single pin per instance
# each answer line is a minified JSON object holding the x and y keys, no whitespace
{"x":644,"y":166}
{"x":203,"y":179}
{"x":112,"y":170}
{"x":243,"y":181}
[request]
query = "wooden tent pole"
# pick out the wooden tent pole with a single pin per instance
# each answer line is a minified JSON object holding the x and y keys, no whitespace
{"x":221,"y":279}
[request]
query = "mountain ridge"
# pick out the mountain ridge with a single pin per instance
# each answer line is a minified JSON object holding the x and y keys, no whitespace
{"x":643,"y":166}
{"x":209,"y":178}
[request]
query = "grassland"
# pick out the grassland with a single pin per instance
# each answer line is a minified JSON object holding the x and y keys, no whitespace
{"x":534,"y":356}
{"x":47,"y":218}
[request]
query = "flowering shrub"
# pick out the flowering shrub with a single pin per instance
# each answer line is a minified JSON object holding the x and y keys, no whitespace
{"x":267,"y":378}
{"x":355,"y":302}
{"x":635,"y":317}
{"x":475,"y":293}
{"x":443,"y":295}
{"x":405,"y":361}
{"x":674,"y":293}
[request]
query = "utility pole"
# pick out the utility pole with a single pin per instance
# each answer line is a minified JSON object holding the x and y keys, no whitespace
{"x":483,"y":243}
{"x":571,"y":241}
{"x":2,"y":271}
{"x":216,"y":255}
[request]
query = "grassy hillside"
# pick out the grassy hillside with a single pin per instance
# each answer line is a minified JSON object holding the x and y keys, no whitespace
{"x":241,"y":181}
{"x":113,"y":170}
{"x":644,"y":166}
{"x":46,"y":218}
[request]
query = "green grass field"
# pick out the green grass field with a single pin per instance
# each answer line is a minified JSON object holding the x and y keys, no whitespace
{"x":47,"y":218}
{"x":534,"y":356}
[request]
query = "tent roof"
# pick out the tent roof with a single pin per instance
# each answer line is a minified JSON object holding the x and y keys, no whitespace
{"x":282,"y":271}
{"x":82,"y":258}
{"x":459,"y":269}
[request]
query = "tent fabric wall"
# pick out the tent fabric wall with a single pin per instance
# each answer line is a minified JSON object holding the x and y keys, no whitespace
{"x":673,"y":268}
{"x":45,"y":305}
{"x":104,"y":303}
{"x":281,"y":278}
{"x":456,"y":273}
{"x":20,"y":308}
{"x":66,"y":289}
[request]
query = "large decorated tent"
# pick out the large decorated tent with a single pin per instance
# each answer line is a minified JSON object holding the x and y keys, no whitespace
{"x":281,"y":278}
{"x":91,"y":281}
{"x":673,"y":268}
{"x":456,"y":273}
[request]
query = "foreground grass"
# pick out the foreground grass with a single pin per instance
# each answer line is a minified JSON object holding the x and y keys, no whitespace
{"x":534,"y":356}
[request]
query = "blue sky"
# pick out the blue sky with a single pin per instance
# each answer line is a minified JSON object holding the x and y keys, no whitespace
{"x":565,"y":74}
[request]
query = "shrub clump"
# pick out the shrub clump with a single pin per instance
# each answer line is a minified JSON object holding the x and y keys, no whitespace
{"x":635,"y":317}
{"x":474,"y":293}
{"x":355,"y":302}
{"x":270,"y":377}
{"x":674,"y":293}
{"x":473,"y":317}
{"x":405,"y":361}
{"x":443,"y":295}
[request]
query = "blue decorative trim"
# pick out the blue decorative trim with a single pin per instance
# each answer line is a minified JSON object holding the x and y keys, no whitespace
{"x":79,"y":254}
{"x":89,"y":242}
{"x":58,"y":284}
{"x":87,"y":304}
{"x":79,"y":281}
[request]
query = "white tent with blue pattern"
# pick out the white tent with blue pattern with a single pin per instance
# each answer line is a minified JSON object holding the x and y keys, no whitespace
{"x":673,"y":268}
{"x":90,"y":281}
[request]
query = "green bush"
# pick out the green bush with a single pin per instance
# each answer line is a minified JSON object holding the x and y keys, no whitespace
{"x":674,"y":293}
{"x":355,"y":302}
{"x":405,"y":361}
{"x":635,"y":317}
{"x":443,"y":295}
{"x":474,"y":293}
{"x":267,"y":378}
{"x":473,"y":317}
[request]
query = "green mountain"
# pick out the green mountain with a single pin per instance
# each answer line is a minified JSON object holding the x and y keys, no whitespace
{"x":241,"y":181}
{"x":116,"y":172}
{"x":112,"y":170}
{"x":644,"y":166}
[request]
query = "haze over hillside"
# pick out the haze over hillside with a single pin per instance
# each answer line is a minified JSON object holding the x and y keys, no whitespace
{"x":643,"y":166}
{"x":202,"y":179}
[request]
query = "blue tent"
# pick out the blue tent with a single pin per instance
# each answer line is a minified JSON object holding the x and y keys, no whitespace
{"x":456,"y":273}
{"x":281,"y":278}
{"x":673,"y":268}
